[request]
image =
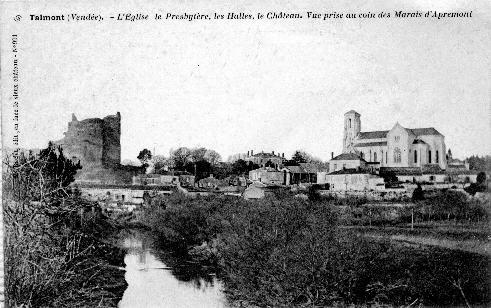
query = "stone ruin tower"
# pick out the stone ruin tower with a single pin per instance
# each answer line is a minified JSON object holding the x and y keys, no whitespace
{"x":95,"y":142}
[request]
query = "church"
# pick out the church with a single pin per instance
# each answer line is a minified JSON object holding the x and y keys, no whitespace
{"x":397,"y":147}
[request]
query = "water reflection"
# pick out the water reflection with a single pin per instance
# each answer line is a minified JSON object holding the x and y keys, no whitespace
{"x":157,"y":279}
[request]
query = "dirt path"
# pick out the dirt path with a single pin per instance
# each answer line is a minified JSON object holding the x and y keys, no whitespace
{"x":482,"y":247}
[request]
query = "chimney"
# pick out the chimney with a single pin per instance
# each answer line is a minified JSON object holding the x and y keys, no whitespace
{"x":272,"y":152}
{"x":283,"y":155}
{"x":247,"y":153}
{"x":332,"y":155}
{"x":252,"y":153}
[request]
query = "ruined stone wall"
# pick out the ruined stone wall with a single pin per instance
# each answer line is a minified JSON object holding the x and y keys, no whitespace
{"x":95,"y":142}
{"x":111,"y":140}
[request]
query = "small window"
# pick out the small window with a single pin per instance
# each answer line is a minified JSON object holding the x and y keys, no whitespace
{"x":436,"y":157}
{"x":375,"y":156}
{"x":415,"y":156}
{"x":349,"y":121}
{"x":429,"y":157}
{"x":397,"y":138}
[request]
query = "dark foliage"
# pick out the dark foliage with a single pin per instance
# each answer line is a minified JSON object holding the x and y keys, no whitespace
{"x":54,"y":256}
{"x":284,"y":252}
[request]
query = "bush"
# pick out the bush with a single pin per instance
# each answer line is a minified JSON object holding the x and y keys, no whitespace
{"x":54,"y":256}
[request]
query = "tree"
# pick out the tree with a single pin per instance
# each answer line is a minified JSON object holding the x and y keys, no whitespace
{"x":481,"y":178}
{"x":213,"y":157}
{"x":418,"y":193}
{"x":301,"y":157}
{"x":144,"y":156}
{"x":198,"y":154}
{"x":180,"y":157}
{"x":159,"y":162}
{"x":43,"y":176}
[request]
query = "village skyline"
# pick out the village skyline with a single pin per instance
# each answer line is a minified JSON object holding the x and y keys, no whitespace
{"x":238,"y":86}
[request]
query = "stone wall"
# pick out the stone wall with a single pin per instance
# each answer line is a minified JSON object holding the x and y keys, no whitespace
{"x":95,"y":142}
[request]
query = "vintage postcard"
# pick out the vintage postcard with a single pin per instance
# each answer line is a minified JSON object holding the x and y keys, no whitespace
{"x":245,"y":153}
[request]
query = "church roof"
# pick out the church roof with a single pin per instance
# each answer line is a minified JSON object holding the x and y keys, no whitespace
{"x":371,"y":144}
{"x":347,"y":156}
{"x":424,"y":131}
{"x":418,"y":141}
{"x":373,"y":135}
{"x":383,"y":133}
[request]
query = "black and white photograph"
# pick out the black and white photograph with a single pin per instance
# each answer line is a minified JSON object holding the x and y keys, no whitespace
{"x":245,"y":154}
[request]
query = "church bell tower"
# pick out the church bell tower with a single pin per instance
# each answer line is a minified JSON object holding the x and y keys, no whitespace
{"x":352,"y":127}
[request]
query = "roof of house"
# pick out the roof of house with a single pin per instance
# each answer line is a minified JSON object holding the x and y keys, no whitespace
{"x":267,"y":155}
{"x":432,"y":169}
{"x":401,"y":170}
{"x":348,"y":156}
{"x":371,"y":144}
{"x":460,"y":171}
{"x":418,"y":141}
{"x":296,"y":169}
{"x":267,"y":169}
{"x":312,"y":168}
{"x":350,"y":171}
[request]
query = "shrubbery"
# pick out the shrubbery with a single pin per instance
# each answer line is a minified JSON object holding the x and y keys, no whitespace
{"x":54,"y":256}
{"x":283,"y":252}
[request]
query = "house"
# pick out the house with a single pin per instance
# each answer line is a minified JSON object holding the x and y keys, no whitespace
{"x":258,"y":190}
{"x":346,"y":161}
{"x":262,"y":158}
{"x":354,"y":180}
{"x":269,"y":175}
{"x":209,"y":182}
{"x":172,"y":178}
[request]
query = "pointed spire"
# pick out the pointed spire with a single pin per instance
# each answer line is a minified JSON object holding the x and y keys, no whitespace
{"x":74,"y":118}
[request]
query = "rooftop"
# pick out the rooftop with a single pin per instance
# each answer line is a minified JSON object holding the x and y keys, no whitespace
{"x":348,"y":156}
{"x":371,"y":144}
{"x":383,"y":133}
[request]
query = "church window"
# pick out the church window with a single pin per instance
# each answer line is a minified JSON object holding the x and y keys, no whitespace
{"x":375,"y":156}
{"x":386,"y":157}
{"x":349,"y":121}
{"x":397,"y":155}
{"x":415,"y":156}
{"x":370,"y":159}
{"x":436,"y":157}
{"x":397,"y":138}
{"x":429,"y":157}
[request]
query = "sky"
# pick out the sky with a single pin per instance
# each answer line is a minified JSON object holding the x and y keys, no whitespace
{"x":235,"y":86}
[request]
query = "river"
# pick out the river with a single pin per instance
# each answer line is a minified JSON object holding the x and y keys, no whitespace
{"x":156,"y":278}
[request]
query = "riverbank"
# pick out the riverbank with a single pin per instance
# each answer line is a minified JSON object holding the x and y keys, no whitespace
{"x":157,"y":277}
{"x":62,"y":260}
{"x":283,"y":251}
